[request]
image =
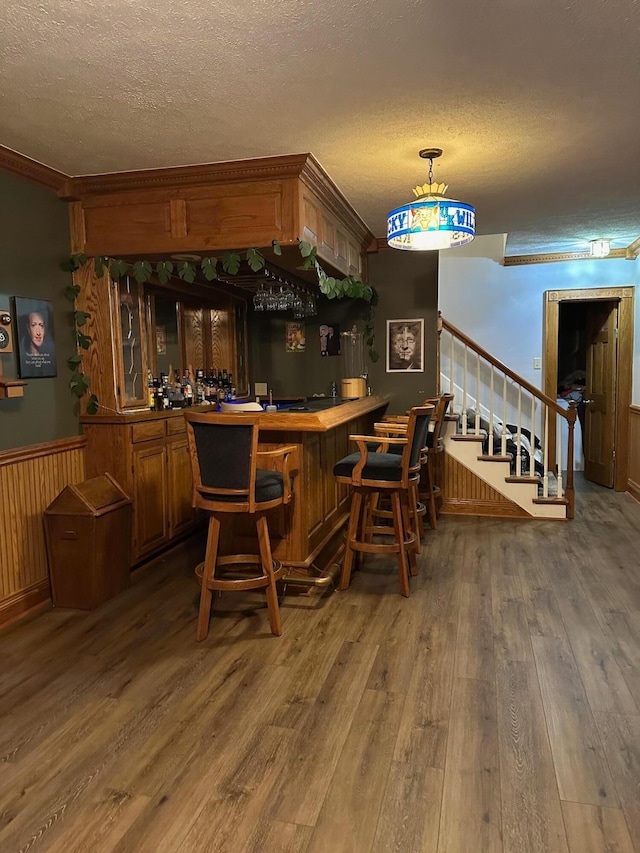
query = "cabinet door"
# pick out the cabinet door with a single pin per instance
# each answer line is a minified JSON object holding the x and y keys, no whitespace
{"x":151,"y":521}
{"x":181,"y":512}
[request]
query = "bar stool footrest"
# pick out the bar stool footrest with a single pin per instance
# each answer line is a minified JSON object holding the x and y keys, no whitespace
{"x":239,"y":565}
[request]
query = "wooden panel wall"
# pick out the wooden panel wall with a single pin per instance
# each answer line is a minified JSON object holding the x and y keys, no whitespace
{"x":30,"y":478}
{"x":464,"y":493}
{"x":633,"y":483}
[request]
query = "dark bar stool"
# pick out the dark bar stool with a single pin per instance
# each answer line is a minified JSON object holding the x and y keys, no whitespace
{"x":430,"y":492}
{"x":224,"y":455}
{"x":374,"y":470}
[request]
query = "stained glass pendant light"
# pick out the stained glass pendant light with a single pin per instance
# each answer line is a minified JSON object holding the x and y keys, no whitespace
{"x":431,"y":221}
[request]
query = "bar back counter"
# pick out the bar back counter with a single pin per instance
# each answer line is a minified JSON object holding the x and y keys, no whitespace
{"x":146,"y":452}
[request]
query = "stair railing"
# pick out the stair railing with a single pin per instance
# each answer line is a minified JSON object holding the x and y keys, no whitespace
{"x":488,"y":395}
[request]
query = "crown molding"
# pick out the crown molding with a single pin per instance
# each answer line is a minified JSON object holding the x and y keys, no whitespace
{"x":260,"y":168}
{"x":633,"y":249}
{"x":14,"y":163}
{"x":556,"y":257}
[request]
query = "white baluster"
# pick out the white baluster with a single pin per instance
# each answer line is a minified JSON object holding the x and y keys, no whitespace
{"x":559,"y":453}
{"x":503,"y":450}
{"x":519,"y":438}
{"x":464,"y":393}
{"x":451,"y":366}
{"x":491,"y":412}
{"x":477,"y":394}
{"x":545,"y":452}
{"x":532,"y":463}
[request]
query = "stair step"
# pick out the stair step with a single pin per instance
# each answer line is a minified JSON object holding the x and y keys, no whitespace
{"x":507,"y":458}
{"x":468,"y":438}
{"x":523,"y":479}
{"x":552,"y":500}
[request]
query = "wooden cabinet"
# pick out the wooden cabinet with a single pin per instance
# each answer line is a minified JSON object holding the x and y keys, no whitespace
{"x":150,"y":497}
{"x":209,"y":332}
{"x":181,"y":513}
{"x":211,"y":208}
{"x":147,"y":455}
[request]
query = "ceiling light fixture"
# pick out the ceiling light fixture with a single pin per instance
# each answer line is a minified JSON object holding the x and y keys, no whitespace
{"x":599,"y":248}
{"x":431,"y":221}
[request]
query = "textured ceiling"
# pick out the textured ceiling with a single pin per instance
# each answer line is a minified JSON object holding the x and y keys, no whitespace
{"x":535,"y":102}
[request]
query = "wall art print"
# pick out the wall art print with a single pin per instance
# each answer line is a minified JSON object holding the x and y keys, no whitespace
{"x":405,"y":346}
{"x":36,"y":338}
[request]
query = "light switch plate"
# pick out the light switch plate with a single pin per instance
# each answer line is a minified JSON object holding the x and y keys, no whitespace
{"x":260,"y":389}
{"x":537,"y":364}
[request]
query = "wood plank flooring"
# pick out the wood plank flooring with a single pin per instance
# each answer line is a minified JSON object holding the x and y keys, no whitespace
{"x":497,"y":709}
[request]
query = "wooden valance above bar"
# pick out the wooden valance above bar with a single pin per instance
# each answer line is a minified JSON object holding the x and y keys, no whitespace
{"x":217,"y":207}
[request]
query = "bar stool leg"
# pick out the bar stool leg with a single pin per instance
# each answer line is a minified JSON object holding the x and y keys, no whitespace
{"x":410,"y":511}
{"x":352,"y":534}
{"x":431,"y":499}
{"x":208,"y":572}
{"x":267,"y":567}
{"x":398,"y":527}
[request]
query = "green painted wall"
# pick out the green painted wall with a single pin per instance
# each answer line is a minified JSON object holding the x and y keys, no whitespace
{"x":34,"y":238}
{"x":407,"y":284}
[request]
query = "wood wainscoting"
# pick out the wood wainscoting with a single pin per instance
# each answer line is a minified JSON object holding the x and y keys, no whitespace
{"x":30,"y":478}
{"x":633,"y":483}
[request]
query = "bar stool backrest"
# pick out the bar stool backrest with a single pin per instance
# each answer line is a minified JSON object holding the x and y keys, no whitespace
{"x":223,"y":452}
{"x":417,"y":428}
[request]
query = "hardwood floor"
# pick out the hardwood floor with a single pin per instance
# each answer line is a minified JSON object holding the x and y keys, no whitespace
{"x":497,"y":709}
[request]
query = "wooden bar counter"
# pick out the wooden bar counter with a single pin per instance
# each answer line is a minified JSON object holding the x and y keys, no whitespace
{"x":146,"y":452}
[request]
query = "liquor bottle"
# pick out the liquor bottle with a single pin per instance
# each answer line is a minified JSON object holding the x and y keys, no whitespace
{"x":150,"y":391}
{"x":232,"y":388}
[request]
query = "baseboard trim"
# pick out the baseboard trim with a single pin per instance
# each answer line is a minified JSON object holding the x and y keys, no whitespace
{"x":25,"y":603}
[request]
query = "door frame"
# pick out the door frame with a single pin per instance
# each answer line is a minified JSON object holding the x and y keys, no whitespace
{"x":624,"y":368}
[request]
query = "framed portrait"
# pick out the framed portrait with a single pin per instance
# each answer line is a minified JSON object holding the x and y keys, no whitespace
{"x":295,"y":337}
{"x":405,"y":346}
{"x":36,"y":338}
{"x":329,"y":339}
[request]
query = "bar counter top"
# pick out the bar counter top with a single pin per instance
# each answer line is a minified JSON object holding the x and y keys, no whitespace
{"x":316,"y":414}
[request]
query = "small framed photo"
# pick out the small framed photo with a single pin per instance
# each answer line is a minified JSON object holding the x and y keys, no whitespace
{"x":295,"y":337}
{"x":36,"y":339}
{"x":405,"y":346}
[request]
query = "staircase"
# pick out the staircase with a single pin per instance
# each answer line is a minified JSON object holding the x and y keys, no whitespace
{"x":505,"y":440}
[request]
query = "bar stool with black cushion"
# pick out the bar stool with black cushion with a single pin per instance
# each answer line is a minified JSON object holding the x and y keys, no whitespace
{"x":379,"y":471}
{"x":430,"y":492}
{"x":226,"y":479}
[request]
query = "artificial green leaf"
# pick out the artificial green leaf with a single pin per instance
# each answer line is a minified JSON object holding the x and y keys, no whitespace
{"x":79,"y":259}
{"x":209,"y":267}
{"x":92,"y":405}
{"x":71,"y":292}
{"x":74,"y":361}
{"x":231,"y":262}
{"x":100,"y":263}
{"x":142,"y":271}
{"x":305,"y":248}
{"x":118,"y":268}
{"x":68,"y":266}
{"x":255,"y":259}
{"x":187,"y":271}
{"x":81,"y":317}
{"x":373,"y":355}
{"x":83,"y":341}
{"x":277,"y":248}
{"x":164,"y":269}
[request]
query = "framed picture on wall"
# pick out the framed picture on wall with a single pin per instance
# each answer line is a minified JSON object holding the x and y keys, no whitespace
{"x":405,"y":346}
{"x":35,"y":336}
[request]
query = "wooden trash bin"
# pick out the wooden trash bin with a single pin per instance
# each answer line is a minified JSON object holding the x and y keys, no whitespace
{"x":88,"y":535}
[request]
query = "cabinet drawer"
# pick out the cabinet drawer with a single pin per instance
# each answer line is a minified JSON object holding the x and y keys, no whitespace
{"x":148,"y":431}
{"x":175,"y":426}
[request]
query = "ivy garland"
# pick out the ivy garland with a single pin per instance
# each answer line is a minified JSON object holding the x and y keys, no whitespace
{"x":142,"y":271}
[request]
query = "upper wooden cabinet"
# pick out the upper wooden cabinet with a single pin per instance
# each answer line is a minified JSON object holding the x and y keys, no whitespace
{"x":203,"y":209}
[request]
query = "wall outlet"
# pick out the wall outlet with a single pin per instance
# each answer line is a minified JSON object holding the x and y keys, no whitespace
{"x":537,"y":364}
{"x":260,"y":389}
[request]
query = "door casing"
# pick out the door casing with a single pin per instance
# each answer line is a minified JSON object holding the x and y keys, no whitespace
{"x":551,"y":321}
